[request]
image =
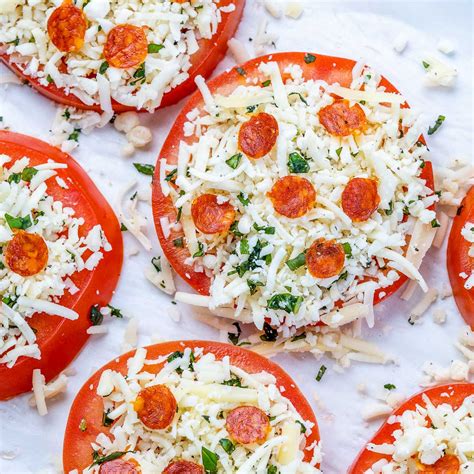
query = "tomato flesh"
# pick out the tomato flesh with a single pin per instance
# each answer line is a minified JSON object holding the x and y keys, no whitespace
{"x":203,"y":62}
{"x":459,"y":261}
{"x":60,"y":339}
{"x":457,"y":391}
{"x":90,"y":406}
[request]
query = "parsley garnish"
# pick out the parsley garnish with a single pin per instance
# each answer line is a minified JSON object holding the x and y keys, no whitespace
{"x":347,"y":249}
{"x":286,"y":302}
{"x":435,"y":223}
{"x":267,"y":230}
{"x":389,"y":386}
{"x":18,"y":222}
{"x":144,"y":168}
{"x":297,"y":164}
{"x":321,"y":373}
{"x":302,"y":427}
{"x":115,"y":312}
{"x":244,"y":247}
{"x":227,"y":445}
{"x":103,"y":67}
{"x":296,"y":262}
{"x":309,"y":58}
{"x":156,"y":262}
{"x":209,"y":460}
{"x":438,"y":123}
{"x":266,"y":83}
{"x":200,"y":251}
{"x":74,"y":135}
{"x":243,"y":198}
{"x":139,"y":75}
{"x":83,"y":425}
{"x":234,"y":337}
{"x":154,"y":48}
{"x":234,"y":160}
{"x":95,"y":316}
{"x":300,"y":96}
{"x":98,"y":459}
{"x":106,"y":421}
{"x":270,"y":333}
{"x":171,"y":175}
{"x":252,"y":284}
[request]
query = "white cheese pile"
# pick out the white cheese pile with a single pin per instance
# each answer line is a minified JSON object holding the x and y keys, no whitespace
{"x":468,"y":233}
{"x":67,"y":254}
{"x":429,"y":433}
{"x":173,"y":27}
{"x":393,"y":157}
{"x":205,"y":389}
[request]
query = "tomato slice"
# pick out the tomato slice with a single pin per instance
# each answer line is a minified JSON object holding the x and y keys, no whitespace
{"x":61,"y":339}
{"x":203,"y":62}
{"x":326,"y":68}
{"x":77,"y":451}
{"x":457,"y":391}
{"x":459,"y":260}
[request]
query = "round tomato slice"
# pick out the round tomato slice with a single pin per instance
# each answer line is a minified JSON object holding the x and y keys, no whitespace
{"x":61,"y":339}
{"x":203,"y":63}
{"x":326,"y":68}
{"x":459,"y":261}
{"x":457,"y":393}
{"x":77,"y":450}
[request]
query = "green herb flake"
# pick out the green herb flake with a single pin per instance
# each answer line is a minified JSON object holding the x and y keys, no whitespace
{"x":243,"y":198}
{"x":227,"y":445}
{"x":139,"y":75}
{"x":209,"y":460}
{"x":265,"y":229}
{"x":49,"y":79}
{"x":234,"y":228}
{"x":389,"y":386}
{"x":302,"y":427}
{"x":144,"y":168}
{"x":103,"y":67}
{"x":97,"y":459}
{"x":95,"y":316}
{"x":300,"y":96}
{"x":106,"y":421}
{"x":179,"y":242}
{"x":66,"y":114}
{"x":309,"y":58}
{"x":234,"y":160}
{"x":123,"y":227}
{"x":115,"y":312}
{"x":253,"y":284}
{"x":155,"y":48}
{"x":74,"y":136}
{"x":438,"y":123}
{"x":347,"y":249}
{"x":426,"y":65}
{"x":171,"y":176}
{"x":234,"y":337}
{"x":297,"y":164}
{"x":296,"y":262}
{"x":338,"y":152}
{"x":200,"y":251}
{"x":266,"y":83}
{"x":18,"y":222}
{"x":244,"y":247}
{"x":28,"y":173}
{"x":434,"y":223}
{"x":272,"y":469}
{"x":321,"y":373}
{"x":270,"y":334}
{"x":207,"y":418}
{"x":286,"y":302}
{"x":298,"y":337}
{"x":234,"y":381}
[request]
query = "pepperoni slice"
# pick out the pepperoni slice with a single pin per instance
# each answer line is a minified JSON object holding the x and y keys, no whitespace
{"x":119,"y":466}
{"x":325,"y":258}
{"x":183,"y":467}
{"x":26,"y":254}
{"x":247,"y":425}
{"x":258,"y":135}
{"x":211,"y":217}
{"x":340,"y":119}
{"x":292,"y":196}
{"x":448,"y":464}
{"x":126,"y":46}
{"x":156,"y":407}
{"x":67,"y":27}
{"x":360,"y":198}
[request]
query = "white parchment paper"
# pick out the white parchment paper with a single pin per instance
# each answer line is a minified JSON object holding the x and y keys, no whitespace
{"x":360,"y":30}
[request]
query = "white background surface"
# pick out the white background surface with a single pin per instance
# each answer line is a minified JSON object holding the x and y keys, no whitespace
{"x":360,"y":30}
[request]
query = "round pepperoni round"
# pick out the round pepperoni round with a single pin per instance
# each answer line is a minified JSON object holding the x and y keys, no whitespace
{"x":67,"y":27}
{"x":325,"y":258}
{"x":448,"y":464}
{"x":183,"y":467}
{"x":126,"y":46}
{"x":258,"y":135}
{"x":210,"y":216}
{"x":247,"y":425}
{"x":156,"y":407}
{"x":119,"y":466}
{"x":26,"y":254}
{"x":360,"y":198}
{"x":292,"y":196}
{"x":340,"y":119}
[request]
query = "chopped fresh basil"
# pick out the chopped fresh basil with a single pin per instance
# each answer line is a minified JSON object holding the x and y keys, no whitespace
{"x":270,"y":335}
{"x":14,"y":178}
{"x":321,"y":373}
{"x":244,"y":247}
{"x":74,"y":136}
{"x":227,"y":445}
{"x":266,"y":83}
{"x":435,"y":223}
{"x":309,"y":58}
{"x":18,"y":222}
{"x":297,"y":164}
{"x":106,"y":421}
{"x":234,"y":381}
{"x":438,"y":123}
{"x":422,"y":164}
{"x":95,"y":316}
{"x":49,"y":79}
{"x":243,"y":198}
{"x":171,"y":175}
{"x":426,"y":65}
{"x":347,"y":249}
{"x":252,"y":284}
{"x":234,"y":337}
{"x":296,"y":262}
{"x":97,"y":459}
{"x":251,"y":262}
{"x":123,"y":227}
{"x":251,"y":108}
{"x":234,"y":228}
{"x":200,"y":251}
{"x":179,"y":242}
{"x":28,"y":173}
{"x":264,"y":229}
{"x":298,"y":337}
{"x":286,"y":302}
{"x":338,"y":152}
{"x":389,"y":211}
{"x":272,"y":469}
{"x":144,"y":168}
{"x":209,"y":460}
{"x":139,"y":75}
{"x":103,"y":67}
{"x":115,"y":312}
{"x":154,"y":48}
{"x":300,"y":96}
{"x":206,"y":418}
{"x":234,"y":160}
{"x":302,"y":427}
{"x":389,"y":386}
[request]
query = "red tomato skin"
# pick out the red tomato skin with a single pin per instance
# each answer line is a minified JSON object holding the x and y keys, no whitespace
{"x":366,"y":458}
{"x":459,"y":261}
{"x":88,"y":405}
{"x":328,"y":68}
{"x":61,"y":339}
{"x":204,"y":61}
